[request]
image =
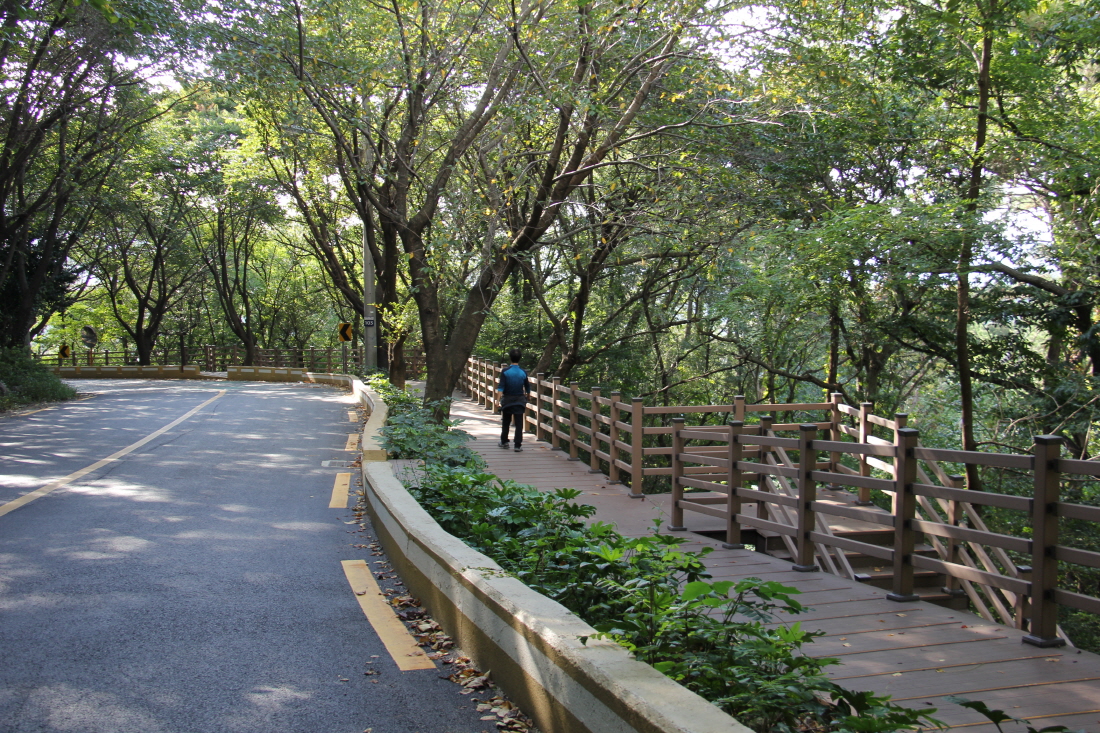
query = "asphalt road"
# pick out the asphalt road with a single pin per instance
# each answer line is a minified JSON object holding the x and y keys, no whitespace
{"x":194,"y":584}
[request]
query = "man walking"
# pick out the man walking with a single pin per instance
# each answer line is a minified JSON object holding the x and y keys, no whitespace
{"x":514,"y":389}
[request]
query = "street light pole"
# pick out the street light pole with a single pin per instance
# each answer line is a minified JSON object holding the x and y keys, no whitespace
{"x":370,"y":317}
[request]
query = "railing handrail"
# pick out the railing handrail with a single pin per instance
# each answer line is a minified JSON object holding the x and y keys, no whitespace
{"x":974,"y":559}
{"x":214,"y":358}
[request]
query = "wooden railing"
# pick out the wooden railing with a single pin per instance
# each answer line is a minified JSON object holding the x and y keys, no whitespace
{"x":724,"y":470}
{"x":340,"y":359}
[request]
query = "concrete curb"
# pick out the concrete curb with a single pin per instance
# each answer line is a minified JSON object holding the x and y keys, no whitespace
{"x":372,"y":402}
{"x":264,"y":374}
{"x":529,"y":642}
{"x":191,"y":371}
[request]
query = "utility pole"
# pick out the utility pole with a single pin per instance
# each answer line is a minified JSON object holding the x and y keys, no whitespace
{"x":370,"y":318}
{"x":370,"y":314}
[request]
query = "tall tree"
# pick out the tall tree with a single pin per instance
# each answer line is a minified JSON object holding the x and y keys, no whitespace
{"x":408,"y":92}
{"x":72,"y":104}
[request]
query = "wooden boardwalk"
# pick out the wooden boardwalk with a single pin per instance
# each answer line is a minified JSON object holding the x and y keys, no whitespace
{"x":916,"y":652}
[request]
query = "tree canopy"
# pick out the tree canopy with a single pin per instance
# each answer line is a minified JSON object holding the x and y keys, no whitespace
{"x":685,"y":201}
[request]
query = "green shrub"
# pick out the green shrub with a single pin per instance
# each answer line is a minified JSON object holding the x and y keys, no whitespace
{"x":412,"y":430}
{"x":650,"y":596}
{"x":28,"y":381}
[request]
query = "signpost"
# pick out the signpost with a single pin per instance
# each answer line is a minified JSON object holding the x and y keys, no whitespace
{"x":63,"y":353}
{"x":344,"y":333}
{"x":90,"y":339}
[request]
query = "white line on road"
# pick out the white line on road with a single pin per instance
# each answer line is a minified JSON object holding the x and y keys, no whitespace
{"x":14,"y":504}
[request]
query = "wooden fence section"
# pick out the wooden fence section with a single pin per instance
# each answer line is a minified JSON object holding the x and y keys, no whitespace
{"x":339,"y":360}
{"x":753,"y":477}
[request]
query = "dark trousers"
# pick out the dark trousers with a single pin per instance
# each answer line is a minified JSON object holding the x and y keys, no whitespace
{"x":513,"y":415}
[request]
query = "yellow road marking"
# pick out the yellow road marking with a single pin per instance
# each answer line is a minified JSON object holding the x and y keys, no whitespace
{"x":396,"y":638}
{"x":353,"y":416}
{"x":14,"y":504}
{"x":353,"y":442}
{"x":340,"y":488}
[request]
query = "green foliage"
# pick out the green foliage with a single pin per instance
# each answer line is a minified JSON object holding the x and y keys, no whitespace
{"x":652,"y":597}
{"x":414,"y":430}
{"x":28,"y":381}
{"x":1000,"y":716}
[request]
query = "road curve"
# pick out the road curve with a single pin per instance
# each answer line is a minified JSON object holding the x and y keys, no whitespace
{"x":192,"y":584}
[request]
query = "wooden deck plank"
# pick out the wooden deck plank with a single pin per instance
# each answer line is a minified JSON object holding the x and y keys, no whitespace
{"x":918,"y":652}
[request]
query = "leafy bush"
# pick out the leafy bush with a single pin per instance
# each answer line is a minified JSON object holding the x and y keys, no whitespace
{"x":27,"y":381}
{"x":999,"y":716}
{"x":396,"y":398}
{"x":412,"y":430}
{"x":651,"y":597}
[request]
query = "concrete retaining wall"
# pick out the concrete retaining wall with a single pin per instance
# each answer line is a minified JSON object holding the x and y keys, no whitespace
{"x":190,"y":371}
{"x":265,"y":374}
{"x":529,"y":642}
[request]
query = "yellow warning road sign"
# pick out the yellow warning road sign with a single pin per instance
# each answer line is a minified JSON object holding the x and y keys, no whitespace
{"x":344,"y":331}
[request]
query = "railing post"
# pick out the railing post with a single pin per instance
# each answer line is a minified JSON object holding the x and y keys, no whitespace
{"x":555,"y":385}
{"x":475,"y":379}
{"x":594,"y":442}
{"x":573,"y":387}
{"x":905,"y":509}
{"x":864,"y":467}
{"x":479,"y":386}
{"x":739,"y":409}
{"x":954,"y":518}
{"x":483,"y":384}
{"x":807,"y":495}
{"x":677,"y":522}
{"x":492,"y":379}
{"x":1044,"y":538}
{"x":637,"y":453}
{"x":527,"y":412}
{"x":762,"y":509}
{"x":486,"y":384}
{"x":1022,"y":609}
{"x":498,"y":396}
{"x":477,"y":395}
{"x":834,"y":431}
{"x":540,"y":431}
{"x":733,"y":483}
{"x":613,"y":439}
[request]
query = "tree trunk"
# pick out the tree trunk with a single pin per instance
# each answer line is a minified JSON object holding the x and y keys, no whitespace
{"x":396,"y":360}
{"x":966,"y":256}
